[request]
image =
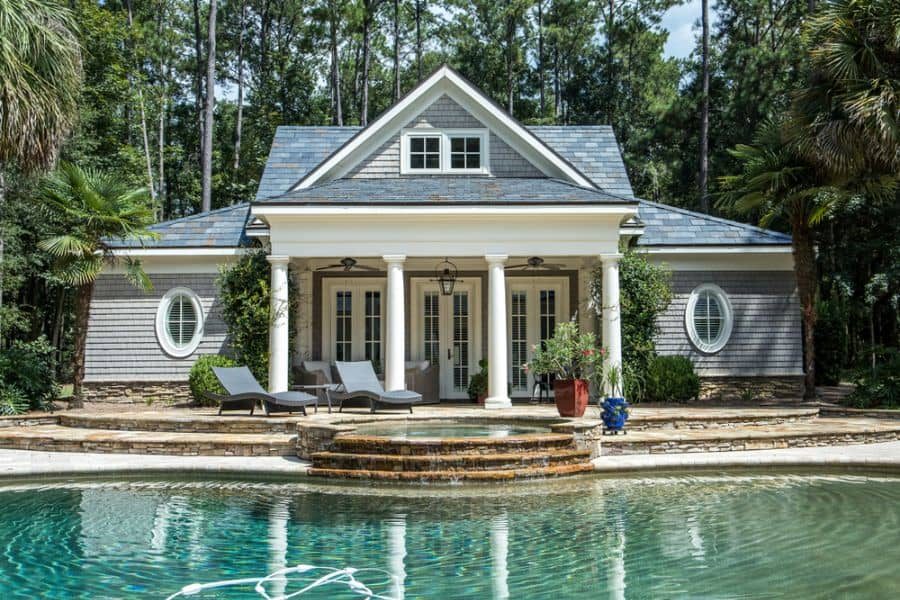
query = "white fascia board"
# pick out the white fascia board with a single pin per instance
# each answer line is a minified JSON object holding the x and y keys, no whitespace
{"x":186,"y":252}
{"x":478,"y":210}
{"x":443,"y":81}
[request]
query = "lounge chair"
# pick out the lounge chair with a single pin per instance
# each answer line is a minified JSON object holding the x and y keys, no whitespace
{"x":358,"y":380}
{"x":244,"y":392}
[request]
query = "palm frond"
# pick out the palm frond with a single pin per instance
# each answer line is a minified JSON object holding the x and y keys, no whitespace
{"x":65,"y":245}
{"x":136,"y":276}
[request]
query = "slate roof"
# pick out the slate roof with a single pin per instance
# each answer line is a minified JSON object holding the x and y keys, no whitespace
{"x":295,"y":152}
{"x":593,"y":150}
{"x":220,"y":228}
{"x":445,"y":190}
{"x":666,"y":225}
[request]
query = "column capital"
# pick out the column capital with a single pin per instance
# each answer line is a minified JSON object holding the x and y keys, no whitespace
{"x":394,"y":259}
{"x":278,"y":259}
{"x":496,"y":259}
{"x":611,"y":258}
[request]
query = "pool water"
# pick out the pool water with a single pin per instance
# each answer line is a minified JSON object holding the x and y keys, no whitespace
{"x":739,"y":536}
{"x":445,"y":429}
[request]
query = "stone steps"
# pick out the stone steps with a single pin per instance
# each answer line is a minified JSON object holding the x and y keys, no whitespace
{"x":55,"y":438}
{"x":449,"y":462}
{"x":361,"y":444}
{"x":455,"y":476}
{"x":822,"y":432}
{"x":185,"y":423}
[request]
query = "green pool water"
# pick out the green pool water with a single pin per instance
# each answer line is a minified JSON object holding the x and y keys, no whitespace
{"x":739,"y":536}
{"x":445,"y":429}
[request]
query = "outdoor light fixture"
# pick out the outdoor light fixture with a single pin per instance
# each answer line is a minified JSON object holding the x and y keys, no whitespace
{"x":445,"y":274}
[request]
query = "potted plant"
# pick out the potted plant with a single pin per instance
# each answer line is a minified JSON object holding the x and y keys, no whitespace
{"x":574,"y":359}
{"x":478,"y":383}
{"x":615,"y":409}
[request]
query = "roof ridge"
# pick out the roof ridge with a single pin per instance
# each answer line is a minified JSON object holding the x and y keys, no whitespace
{"x":714,"y":219}
{"x":201,"y":215}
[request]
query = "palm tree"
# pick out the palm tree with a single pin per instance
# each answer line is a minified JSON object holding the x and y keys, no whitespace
{"x":847,"y":117}
{"x":777,"y":181}
{"x":40,"y":79}
{"x":96,"y":208}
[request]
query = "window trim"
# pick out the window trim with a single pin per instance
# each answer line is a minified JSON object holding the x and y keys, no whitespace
{"x":445,"y":134}
{"x":727,"y":319}
{"x":165,"y":340}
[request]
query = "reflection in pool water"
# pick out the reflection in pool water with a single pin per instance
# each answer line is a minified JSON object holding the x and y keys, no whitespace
{"x":445,"y":429}
{"x":767,"y":536}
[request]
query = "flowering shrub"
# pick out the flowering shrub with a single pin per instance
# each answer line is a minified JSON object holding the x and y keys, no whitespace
{"x":569,"y":354}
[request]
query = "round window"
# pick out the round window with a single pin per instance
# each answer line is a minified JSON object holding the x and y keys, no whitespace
{"x":708,"y":318}
{"x":179,"y":322}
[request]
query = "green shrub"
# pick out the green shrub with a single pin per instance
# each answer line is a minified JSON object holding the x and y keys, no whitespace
{"x":671,"y":379}
{"x":12,"y":401}
{"x":478,"y":383}
{"x":202,"y":379}
{"x":831,"y":340}
{"x":878,"y":388}
{"x":244,"y":292}
{"x":30,"y":368}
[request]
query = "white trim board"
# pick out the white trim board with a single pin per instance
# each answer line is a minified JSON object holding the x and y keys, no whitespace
{"x":443,"y":81}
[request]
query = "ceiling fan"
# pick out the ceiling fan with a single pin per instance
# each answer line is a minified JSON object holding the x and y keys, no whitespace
{"x":536,"y":262}
{"x":347,"y":264}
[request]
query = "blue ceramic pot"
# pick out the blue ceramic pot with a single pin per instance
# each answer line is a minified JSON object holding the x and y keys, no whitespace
{"x":614,"y":415}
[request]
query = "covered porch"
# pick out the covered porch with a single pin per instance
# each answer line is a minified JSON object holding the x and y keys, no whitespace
{"x":517,"y":272}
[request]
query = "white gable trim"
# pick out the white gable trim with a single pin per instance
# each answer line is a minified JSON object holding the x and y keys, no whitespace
{"x":444,"y":81}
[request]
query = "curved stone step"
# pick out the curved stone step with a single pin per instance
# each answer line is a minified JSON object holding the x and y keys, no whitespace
{"x":55,"y":438}
{"x":363,"y":444}
{"x":449,"y":462}
{"x":183,"y":423}
{"x":454,"y":476}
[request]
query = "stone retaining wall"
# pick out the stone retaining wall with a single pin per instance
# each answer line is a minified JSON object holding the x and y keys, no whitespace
{"x":871,"y":413}
{"x":763,"y":388}
{"x":137,"y":392}
{"x":645,"y":425}
{"x":759,"y":443}
{"x":28,"y":421}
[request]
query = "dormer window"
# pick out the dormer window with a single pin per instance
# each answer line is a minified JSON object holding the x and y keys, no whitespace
{"x":437,"y":151}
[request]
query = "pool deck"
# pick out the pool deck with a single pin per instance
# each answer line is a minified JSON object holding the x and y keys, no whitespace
{"x":15,"y":464}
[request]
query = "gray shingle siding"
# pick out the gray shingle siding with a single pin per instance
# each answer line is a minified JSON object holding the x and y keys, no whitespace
{"x":766,"y":338}
{"x":121,"y":337}
{"x":444,"y":113}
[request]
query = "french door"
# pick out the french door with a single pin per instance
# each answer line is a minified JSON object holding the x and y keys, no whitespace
{"x":535,"y":306}
{"x":446,"y":332}
{"x":353,"y":323}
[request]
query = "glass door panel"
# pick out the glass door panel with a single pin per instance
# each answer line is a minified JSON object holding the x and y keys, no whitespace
{"x":343,"y":325}
{"x":461,"y":339}
{"x":519,"y":339}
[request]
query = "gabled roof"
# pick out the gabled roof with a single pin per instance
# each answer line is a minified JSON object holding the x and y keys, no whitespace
{"x":666,"y":225}
{"x":295,"y":152}
{"x":220,"y":228}
{"x":445,"y":190}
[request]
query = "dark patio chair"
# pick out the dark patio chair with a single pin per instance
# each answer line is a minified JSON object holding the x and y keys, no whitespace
{"x":358,"y":380}
{"x":244,"y":392}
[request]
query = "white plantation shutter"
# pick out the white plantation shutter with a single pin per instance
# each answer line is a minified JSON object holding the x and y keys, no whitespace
{"x":709,"y":318}
{"x":182,"y":321}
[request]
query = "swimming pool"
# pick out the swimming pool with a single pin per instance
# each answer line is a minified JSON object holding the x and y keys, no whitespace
{"x":729,"y":536}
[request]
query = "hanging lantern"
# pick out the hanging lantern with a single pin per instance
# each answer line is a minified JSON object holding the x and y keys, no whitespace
{"x":445,"y":275}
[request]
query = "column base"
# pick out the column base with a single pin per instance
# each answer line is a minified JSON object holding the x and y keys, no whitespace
{"x":497,"y":402}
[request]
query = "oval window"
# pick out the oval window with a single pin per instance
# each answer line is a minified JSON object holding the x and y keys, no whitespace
{"x":179,"y":322}
{"x":708,"y":318}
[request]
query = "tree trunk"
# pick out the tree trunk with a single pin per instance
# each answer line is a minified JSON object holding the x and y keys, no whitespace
{"x":396,"y":50}
{"x":82,"y":313}
{"x":704,"y":115}
{"x":2,"y":242}
{"x":144,"y":136}
{"x":337,"y":117}
{"x":198,"y":76}
{"x":206,"y":182}
{"x":239,"y":122}
{"x":368,"y":8}
{"x":805,"y":270}
{"x":419,"y":38}
{"x":510,"y":37}
{"x":540,"y":65}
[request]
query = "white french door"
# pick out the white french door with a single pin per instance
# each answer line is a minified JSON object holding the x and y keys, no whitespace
{"x":446,"y":332}
{"x":353,"y":320}
{"x":535,"y":306}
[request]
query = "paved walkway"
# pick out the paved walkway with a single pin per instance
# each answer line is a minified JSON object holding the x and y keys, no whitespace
{"x":24,"y":463}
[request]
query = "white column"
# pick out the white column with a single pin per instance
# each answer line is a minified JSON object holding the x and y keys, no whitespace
{"x":395,"y":343}
{"x":498,"y":393}
{"x":612,"y":324}
{"x":278,"y":325}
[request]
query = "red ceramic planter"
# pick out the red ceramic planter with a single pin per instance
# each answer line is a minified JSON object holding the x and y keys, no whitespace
{"x":571,"y":397}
